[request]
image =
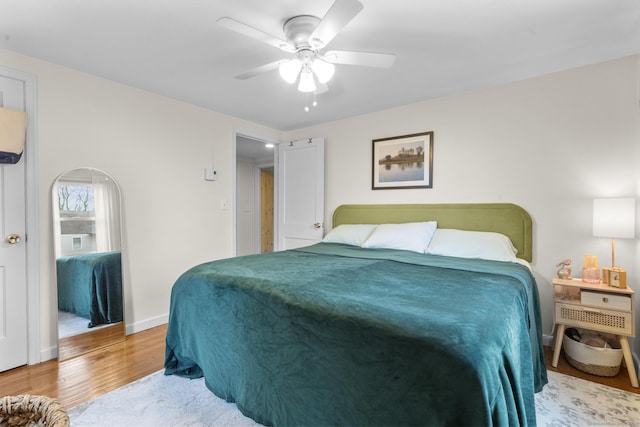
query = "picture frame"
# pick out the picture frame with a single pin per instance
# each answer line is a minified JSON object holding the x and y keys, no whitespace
{"x":402,"y":162}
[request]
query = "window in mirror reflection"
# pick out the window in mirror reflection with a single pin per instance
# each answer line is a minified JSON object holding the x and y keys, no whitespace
{"x":77,"y":219}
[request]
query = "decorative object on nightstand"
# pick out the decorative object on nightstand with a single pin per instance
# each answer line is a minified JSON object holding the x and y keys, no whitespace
{"x":564,"y":269}
{"x":597,"y":307}
{"x":614,"y":217}
{"x":590,"y":270}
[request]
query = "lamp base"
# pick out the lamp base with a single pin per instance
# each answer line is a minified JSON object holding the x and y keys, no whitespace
{"x":615,"y":277}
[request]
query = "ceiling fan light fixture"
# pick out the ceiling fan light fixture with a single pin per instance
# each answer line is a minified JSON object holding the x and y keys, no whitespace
{"x":324,"y":70}
{"x":289,"y":70}
{"x":305,"y":36}
{"x":307,"y":83}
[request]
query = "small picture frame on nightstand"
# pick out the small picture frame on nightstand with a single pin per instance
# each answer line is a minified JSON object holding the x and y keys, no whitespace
{"x":615,"y":277}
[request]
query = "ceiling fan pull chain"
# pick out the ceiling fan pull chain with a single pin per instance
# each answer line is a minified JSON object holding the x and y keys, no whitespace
{"x":314,"y":103}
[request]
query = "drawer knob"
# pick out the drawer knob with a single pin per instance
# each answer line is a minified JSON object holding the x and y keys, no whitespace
{"x":605,"y":299}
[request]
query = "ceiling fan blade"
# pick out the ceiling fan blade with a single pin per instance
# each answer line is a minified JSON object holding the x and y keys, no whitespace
{"x":254,"y":33}
{"x":367,"y":59}
{"x":338,"y":15}
{"x":261,"y":69}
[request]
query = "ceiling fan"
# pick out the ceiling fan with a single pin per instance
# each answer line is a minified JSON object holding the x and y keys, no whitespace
{"x":304,"y":37}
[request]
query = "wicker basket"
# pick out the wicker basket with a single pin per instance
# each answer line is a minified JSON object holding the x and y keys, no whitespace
{"x":604,"y":362}
{"x":26,"y":410}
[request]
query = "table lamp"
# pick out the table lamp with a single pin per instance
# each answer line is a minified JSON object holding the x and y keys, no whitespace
{"x":614,"y":218}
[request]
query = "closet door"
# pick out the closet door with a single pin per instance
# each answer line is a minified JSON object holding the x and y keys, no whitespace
{"x":300,"y":193}
{"x":13,"y":277}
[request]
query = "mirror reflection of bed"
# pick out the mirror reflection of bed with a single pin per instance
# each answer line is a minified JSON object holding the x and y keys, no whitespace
{"x":88,"y":261}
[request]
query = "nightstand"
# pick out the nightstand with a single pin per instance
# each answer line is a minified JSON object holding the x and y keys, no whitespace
{"x":597,"y":307}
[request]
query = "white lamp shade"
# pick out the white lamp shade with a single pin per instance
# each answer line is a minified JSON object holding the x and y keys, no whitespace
{"x":307,"y":84}
{"x":289,"y":70}
{"x":323,"y":69}
{"x":614,"y":218}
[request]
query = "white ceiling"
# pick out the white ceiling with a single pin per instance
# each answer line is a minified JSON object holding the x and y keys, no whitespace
{"x":176,"y":48}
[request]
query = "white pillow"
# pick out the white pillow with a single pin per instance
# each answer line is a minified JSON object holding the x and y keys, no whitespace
{"x":410,"y":236}
{"x":472,"y":244}
{"x":349,"y":234}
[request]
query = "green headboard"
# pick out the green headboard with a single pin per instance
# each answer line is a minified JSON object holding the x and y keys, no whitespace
{"x":506,"y":218}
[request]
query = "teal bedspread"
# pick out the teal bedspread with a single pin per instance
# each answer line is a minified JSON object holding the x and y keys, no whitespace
{"x":90,"y":286}
{"x":339,"y":335}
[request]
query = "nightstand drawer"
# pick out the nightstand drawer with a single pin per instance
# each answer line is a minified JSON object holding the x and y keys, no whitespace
{"x":605,"y":300}
{"x":615,"y":322}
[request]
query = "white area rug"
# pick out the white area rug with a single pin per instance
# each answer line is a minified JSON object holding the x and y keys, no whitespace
{"x":159,"y":400}
{"x":569,"y":401}
{"x":69,"y":324}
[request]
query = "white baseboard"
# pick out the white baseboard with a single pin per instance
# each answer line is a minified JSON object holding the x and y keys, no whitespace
{"x":48,"y":353}
{"x":147,"y":324}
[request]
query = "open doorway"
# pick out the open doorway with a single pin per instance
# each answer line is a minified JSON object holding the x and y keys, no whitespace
{"x":255,"y":195}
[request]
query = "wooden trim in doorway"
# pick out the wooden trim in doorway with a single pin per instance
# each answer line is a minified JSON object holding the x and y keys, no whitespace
{"x":266,"y":210}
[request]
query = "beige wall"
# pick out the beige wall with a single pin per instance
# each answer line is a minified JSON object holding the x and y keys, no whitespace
{"x":549,"y":144}
{"x":157,"y":149}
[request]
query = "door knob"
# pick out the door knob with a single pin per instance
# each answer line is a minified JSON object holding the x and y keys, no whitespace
{"x":317,"y":225}
{"x":12,"y":239}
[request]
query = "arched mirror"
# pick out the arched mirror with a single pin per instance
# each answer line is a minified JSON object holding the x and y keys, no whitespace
{"x":88,"y":261}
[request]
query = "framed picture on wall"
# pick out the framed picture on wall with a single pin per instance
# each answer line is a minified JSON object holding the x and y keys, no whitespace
{"x":402,"y":162}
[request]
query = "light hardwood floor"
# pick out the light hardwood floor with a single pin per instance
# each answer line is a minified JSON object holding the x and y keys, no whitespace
{"x":88,"y":376}
{"x":85,"y":377}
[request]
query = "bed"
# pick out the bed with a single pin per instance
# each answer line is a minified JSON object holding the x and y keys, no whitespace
{"x":338,"y":334}
{"x":90,"y":286}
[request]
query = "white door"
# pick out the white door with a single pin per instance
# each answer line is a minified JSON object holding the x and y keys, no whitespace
{"x":300,"y":193}
{"x":13,"y":280}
